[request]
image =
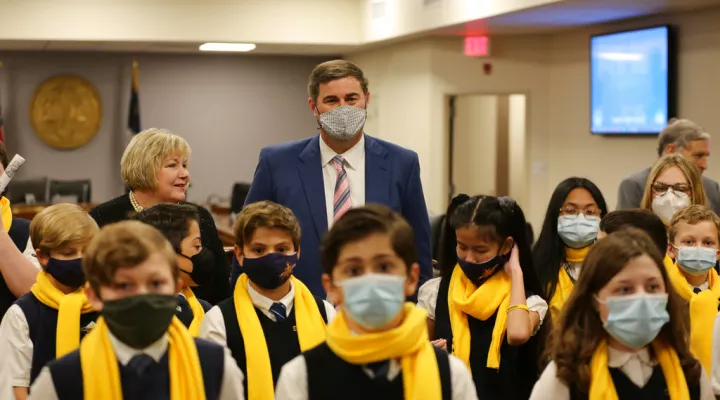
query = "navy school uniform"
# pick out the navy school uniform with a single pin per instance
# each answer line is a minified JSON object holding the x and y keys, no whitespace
{"x":42,"y":324}
{"x":281,"y":336}
{"x":328,"y":375}
{"x":184,"y":312}
{"x":152,"y":384}
{"x":517,"y":373}
{"x":20,"y":234}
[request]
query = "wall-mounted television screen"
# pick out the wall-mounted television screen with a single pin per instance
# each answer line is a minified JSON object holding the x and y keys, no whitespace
{"x":632,"y":81}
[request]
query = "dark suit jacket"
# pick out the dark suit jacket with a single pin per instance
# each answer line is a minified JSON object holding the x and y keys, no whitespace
{"x":218,"y":289}
{"x":632,"y":188}
{"x":291,"y":174}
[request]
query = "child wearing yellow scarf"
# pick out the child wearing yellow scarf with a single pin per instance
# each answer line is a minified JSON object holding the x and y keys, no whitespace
{"x":138,"y":348}
{"x":272,"y":316}
{"x":49,"y":321}
{"x":378,"y":345}
{"x":695,"y":239}
{"x":180,"y":223}
{"x":620,"y":335}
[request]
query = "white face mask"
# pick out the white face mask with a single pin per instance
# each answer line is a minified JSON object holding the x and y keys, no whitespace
{"x":668,"y":204}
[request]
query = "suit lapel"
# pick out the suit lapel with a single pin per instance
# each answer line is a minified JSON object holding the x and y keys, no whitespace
{"x":310,"y":169}
{"x":377,"y":172}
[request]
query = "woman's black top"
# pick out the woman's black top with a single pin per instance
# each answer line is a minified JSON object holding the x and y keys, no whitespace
{"x":218,"y":287}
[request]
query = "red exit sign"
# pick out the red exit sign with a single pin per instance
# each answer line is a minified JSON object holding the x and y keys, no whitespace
{"x":476,"y":46}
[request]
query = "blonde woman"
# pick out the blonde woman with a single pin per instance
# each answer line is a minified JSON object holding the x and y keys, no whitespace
{"x":673,"y":183}
{"x":154,"y":167}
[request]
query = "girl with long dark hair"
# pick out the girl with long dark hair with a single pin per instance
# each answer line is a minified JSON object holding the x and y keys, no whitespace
{"x":487,"y":304}
{"x":572,"y":222}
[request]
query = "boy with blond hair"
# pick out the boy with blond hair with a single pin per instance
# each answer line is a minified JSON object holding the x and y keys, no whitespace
{"x":694,"y":239}
{"x":138,"y":349}
{"x":50,"y":320}
{"x":272,"y":316}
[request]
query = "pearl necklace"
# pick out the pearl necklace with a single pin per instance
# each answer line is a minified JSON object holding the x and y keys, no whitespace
{"x":135,"y":203}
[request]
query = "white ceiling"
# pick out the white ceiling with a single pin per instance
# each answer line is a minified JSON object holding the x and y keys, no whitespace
{"x":544,"y":19}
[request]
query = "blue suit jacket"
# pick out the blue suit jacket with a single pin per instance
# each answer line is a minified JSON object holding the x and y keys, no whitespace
{"x":291,"y":174}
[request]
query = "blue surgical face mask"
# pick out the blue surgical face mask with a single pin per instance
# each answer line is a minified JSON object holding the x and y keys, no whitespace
{"x":696,"y":260}
{"x":578,"y":231}
{"x":271,"y":270}
{"x":635,"y":320}
{"x":67,"y":272}
{"x":373,"y":300}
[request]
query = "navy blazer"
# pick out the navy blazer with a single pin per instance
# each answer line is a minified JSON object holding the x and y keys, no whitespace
{"x":291,"y":174}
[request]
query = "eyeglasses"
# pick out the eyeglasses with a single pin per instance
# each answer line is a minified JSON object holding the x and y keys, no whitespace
{"x":660,"y":188}
{"x":574,"y":212}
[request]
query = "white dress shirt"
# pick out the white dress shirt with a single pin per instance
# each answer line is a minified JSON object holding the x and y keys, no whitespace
{"x":638,"y":367}
{"x":16,"y":348}
{"x":293,"y":385}
{"x":715,"y":366}
{"x":355,"y":169}
{"x":427,"y":299}
{"x":231,"y":387}
{"x":213,"y":325}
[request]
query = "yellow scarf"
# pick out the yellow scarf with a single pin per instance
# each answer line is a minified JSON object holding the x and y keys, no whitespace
{"x":101,"y":375}
{"x":703,"y":309}
{"x":6,"y":213}
{"x":565,"y":285}
{"x":464,"y":298}
{"x":603,"y":388}
{"x":69,"y":307}
{"x":197,"y":310}
{"x":310,"y":329}
{"x":409,"y":342}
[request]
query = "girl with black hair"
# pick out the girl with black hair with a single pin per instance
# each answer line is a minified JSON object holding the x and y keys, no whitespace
{"x":572,"y":222}
{"x":487,"y":303}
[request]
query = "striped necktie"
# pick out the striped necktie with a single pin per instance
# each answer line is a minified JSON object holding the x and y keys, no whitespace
{"x":341,"y":201}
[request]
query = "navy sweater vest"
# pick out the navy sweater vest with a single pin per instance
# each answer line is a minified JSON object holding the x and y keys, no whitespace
{"x":19,"y":233}
{"x":154,"y":384}
{"x":42,"y":324}
{"x":281,"y":337}
{"x":330,"y":377}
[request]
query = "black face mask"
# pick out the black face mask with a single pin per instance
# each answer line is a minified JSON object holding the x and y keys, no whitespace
{"x":271,"y":270}
{"x":203,"y":263}
{"x":480,"y":272}
{"x":67,"y":272}
{"x":139,"y":320}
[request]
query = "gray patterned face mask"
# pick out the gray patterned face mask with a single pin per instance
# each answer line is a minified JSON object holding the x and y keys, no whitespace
{"x":342,"y":123}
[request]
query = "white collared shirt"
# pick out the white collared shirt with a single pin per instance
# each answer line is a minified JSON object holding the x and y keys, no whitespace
{"x":231,"y":387}
{"x":355,"y":169}
{"x":637,"y":366}
{"x":213,"y":325}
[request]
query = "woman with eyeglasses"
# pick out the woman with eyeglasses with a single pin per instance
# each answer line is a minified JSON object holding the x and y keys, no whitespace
{"x":674,"y":183}
{"x":572,"y":222}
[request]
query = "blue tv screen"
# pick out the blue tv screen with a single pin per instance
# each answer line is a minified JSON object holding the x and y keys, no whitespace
{"x":631,"y":77}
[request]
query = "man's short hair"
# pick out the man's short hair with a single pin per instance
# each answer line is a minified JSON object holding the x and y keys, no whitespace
{"x":172,"y":220}
{"x":692,"y":215}
{"x":638,"y":218}
{"x":265,"y":214}
{"x":125,"y":244}
{"x":359,"y":223}
{"x":332,"y":70}
{"x":680,"y":132}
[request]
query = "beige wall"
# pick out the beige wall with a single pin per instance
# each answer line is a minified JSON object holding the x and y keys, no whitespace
{"x":475,"y":144}
{"x":553,"y":71}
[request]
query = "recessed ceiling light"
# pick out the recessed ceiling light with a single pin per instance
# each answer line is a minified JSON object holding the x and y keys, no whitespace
{"x":227,"y":47}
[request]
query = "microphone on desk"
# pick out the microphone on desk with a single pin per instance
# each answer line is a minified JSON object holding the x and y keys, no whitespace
{"x":14,"y":165}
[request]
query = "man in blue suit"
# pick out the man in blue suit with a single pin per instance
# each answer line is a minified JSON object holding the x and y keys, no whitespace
{"x":321,"y":177}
